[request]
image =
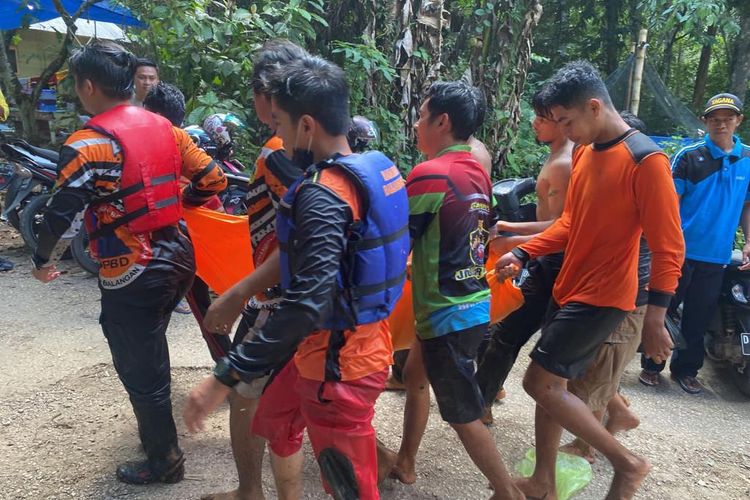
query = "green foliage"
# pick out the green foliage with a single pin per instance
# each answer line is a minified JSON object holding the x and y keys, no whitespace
{"x":206,"y":47}
{"x":366,"y":66}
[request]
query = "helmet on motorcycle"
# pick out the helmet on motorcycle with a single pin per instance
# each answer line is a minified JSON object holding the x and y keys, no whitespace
{"x":201,"y":139}
{"x":363,"y":133}
{"x":221,"y":128}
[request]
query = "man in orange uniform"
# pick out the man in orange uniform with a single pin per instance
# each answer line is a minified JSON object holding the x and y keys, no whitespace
{"x":274,"y":173}
{"x":618,"y":174}
{"x":147,"y":261}
{"x":343,"y":240}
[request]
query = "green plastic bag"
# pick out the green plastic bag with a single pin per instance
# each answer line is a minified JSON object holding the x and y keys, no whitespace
{"x":573,"y":473}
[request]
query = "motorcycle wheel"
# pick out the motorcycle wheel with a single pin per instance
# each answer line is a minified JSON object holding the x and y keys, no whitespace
{"x":742,"y":380}
{"x":14,"y":218}
{"x":31,"y":219}
{"x":79,"y":247}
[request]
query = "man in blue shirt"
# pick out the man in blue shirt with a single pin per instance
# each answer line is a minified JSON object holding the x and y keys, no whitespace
{"x":711,"y":178}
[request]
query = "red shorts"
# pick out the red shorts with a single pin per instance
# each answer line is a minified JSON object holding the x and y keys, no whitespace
{"x":337,"y":415}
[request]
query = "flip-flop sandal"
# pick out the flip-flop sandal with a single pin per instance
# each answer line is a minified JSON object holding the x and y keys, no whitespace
{"x":650,"y":379}
{"x":687,"y":384}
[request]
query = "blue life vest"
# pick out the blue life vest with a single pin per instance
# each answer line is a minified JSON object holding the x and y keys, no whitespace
{"x":373,"y":267}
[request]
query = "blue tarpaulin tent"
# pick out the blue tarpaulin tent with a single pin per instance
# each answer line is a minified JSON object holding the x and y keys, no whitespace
{"x":18,"y":13}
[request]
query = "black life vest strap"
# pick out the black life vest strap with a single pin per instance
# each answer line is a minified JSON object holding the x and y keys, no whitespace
{"x":118,"y":195}
{"x":110,"y":228}
{"x":382,"y":241}
{"x":379,"y":287}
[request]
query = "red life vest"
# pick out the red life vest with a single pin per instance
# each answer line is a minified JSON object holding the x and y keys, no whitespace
{"x":149,"y":183}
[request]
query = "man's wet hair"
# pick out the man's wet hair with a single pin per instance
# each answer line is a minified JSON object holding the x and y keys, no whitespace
{"x":633,"y":121}
{"x":166,"y":100}
{"x":144,"y":61}
{"x":313,"y":86}
{"x":271,"y":57}
{"x":464,"y":104}
{"x":574,"y":84}
{"x":107,"y":65}
{"x":539,"y":102}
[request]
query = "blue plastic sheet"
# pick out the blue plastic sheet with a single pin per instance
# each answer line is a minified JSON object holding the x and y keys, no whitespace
{"x":18,"y":13}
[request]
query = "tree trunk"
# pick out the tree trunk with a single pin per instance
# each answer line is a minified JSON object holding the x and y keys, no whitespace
{"x":701,"y":75}
{"x":666,"y":63}
{"x":740,"y":67}
{"x":612,"y":27}
{"x":27,"y":103}
{"x":513,"y":102}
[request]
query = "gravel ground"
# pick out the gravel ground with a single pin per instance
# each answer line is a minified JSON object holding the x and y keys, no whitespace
{"x":65,"y":420}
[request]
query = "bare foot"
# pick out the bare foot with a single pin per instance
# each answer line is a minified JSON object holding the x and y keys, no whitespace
{"x":517,"y":496}
{"x":535,"y":490}
{"x":501,"y":394}
{"x":233,"y":495}
{"x":487,"y":418}
{"x":386,"y":461}
{"x":404,"y":471}
{"x":391,"y":384}
{"x":622,"y":420}
{"x":580,"y":449}
{"x":628,"y":479}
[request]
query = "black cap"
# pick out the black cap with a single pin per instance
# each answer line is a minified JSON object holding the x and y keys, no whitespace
{"x":724,"y":101}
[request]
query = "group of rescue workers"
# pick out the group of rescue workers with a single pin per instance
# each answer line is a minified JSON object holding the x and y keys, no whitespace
{"x":332,"y":233}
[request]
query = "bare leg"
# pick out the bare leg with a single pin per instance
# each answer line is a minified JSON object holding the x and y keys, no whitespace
{"x":287,"y":474}
{"x":482,"y":449}
{"x":620,"y":417}
{"x":416,"y":413}
{"x":550,"y":392}
{"x":580,"y":447}
{"x":247,"y":449}
{"x":386,"y":460}
{"x":547,"y":432}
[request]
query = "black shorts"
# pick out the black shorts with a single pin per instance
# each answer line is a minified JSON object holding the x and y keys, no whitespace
{"x":450,"y":362}
{"x":571,"y":335}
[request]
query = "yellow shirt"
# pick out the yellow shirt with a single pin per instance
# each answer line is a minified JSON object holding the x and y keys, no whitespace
{"x":4,"y":110}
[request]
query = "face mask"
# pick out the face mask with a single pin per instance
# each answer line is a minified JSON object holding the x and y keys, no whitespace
{"x":300,"y":157}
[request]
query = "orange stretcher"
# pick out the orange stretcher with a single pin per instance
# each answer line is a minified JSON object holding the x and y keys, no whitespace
{"x":223,"y":254}
{"x":223,"y":257}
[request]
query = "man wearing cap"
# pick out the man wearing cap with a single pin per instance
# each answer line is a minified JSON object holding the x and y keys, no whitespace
{"x":711,"y":178}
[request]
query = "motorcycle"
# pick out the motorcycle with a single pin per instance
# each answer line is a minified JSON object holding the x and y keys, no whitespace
{"x":35,"y":171}
{"x":509,"y":194}
{"x":727,"y":339}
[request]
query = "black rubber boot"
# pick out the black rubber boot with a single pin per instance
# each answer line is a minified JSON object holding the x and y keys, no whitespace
{"x":145,"y":472}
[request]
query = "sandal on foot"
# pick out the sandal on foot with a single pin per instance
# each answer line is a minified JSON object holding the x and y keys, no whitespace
{"x":689,"y":384}
{"x":143,"y":473}
{"x":648,"y":378}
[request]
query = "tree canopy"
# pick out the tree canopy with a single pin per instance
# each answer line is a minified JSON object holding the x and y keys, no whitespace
{"x":392,"y":50}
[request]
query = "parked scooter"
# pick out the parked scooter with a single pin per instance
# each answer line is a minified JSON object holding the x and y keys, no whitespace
{"x":35,"y":171}
{"x":509,"y":194}
{"x":727,"y":339}
{"x":238,"y":183}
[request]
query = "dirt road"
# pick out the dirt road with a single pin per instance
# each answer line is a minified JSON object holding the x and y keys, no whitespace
{"x":65,"y":420}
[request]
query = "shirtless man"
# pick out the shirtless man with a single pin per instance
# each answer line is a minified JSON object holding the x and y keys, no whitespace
{"x":598,"y":282}
{"x":510,"y":334}
{"x":480,"y":152}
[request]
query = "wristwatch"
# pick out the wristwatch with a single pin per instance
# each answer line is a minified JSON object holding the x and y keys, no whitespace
{"x":223,"y":373}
